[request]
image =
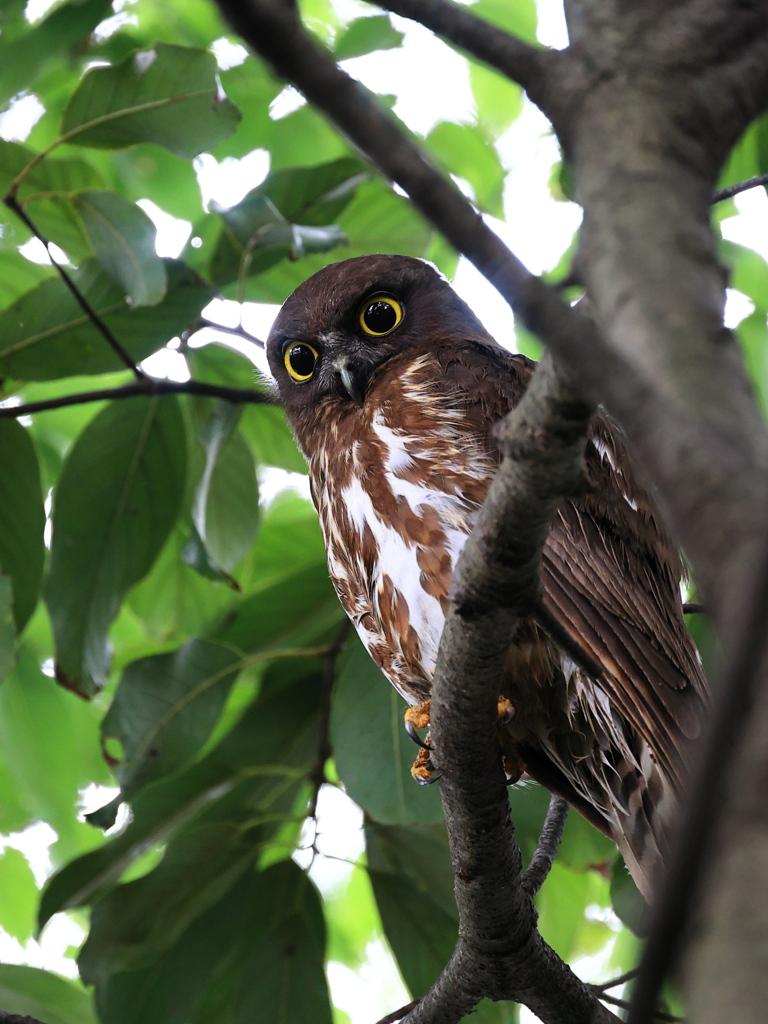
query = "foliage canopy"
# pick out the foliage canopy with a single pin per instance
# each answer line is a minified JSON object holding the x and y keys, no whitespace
{"x":200,"y":625}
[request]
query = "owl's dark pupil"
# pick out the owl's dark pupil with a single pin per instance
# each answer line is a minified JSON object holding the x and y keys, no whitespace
{"x":380,"y":317}
{"x":302,"y":360}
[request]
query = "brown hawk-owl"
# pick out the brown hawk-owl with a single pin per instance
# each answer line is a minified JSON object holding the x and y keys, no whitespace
{"x":393,"y":388}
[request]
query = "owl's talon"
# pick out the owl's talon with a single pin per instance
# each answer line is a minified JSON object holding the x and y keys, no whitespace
{"x":410,"y":728}
{"x":419,"y":714}
{"x":422,"y":769}
{"x":432,"y":779}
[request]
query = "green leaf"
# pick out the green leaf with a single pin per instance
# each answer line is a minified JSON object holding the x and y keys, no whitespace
{"x":257,"y":766}
{"x":174,"y":601}
{"x":151,"y":172}
{"x":19,"y":895}
{"x":289,"y":540}
{"x":19,"y":275}
{"x":226,"y":503}
{"x":25,"y":59}
{"x":165,"y":708}
{"x":119,"y":496}
{"x":22,"y":518}
{"x":28,"y":991}
{"x":278,"y":971}
{"x":497,"y":100}
{"x":412,"y":879}
{"x":266,"y":429}
{"x":252,"y":88}
{"x":518,"y":18}
{"x":50,"y":739}
{"x":290,"y":214}
{"x":364,"y":35}
{"x":219,"y":364}
{"x":45,"y":334}
{"x":376,"y":220}
{"x":290,"y":613}
{"x":164,"y":94}
{"x":561,"y":903}
{"x":172,"y":986}
{"x":123,"y":239}
{"x":371,"y":747}
{"x":464,"y":150}
{"x":7,"y":630}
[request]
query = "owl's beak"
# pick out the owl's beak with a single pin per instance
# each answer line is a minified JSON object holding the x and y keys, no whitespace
{"x":341,"y":367}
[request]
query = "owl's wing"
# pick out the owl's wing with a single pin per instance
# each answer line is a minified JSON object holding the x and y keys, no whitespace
{"x":611,"y":574}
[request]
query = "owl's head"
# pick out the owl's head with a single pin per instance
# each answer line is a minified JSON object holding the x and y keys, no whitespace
{"x":343,"y":323}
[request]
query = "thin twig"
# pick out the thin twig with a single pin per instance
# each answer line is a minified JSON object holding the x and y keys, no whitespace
{"x":146,"y":386}
{"x":615,"y":982}
{"x":529,"y":66}
{"x":693,"y":608}
{"x":12,"y":203}
{"x":741,"y":186}
{"x":535,"y":874}
{"x":238,"y":332}
{"x":397,"y":1015}
{"x":658,"y":1014}
{"x":16,"y":1018}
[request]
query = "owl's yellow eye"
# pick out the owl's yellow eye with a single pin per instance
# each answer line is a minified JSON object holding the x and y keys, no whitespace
{"x":380,"y":315}
{"x":300,"y":359}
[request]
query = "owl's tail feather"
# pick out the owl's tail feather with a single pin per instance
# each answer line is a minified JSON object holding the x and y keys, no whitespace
{"x":635,"y":810}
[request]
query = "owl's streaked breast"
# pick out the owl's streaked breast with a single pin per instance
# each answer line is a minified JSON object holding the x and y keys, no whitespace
{"x":396,"y":505}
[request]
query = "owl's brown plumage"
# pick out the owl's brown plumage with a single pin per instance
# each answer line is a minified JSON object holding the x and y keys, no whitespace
{"x":397,"y":427}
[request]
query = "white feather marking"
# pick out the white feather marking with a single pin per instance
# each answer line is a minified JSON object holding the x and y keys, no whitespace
{"x":397,"y":558}
{"x":398,"y":457}
{"x":604,"y":452}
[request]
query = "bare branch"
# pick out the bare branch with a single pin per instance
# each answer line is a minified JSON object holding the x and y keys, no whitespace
{"x":535,"y":874}
{"x":693,"y":608}
{"x":237,"y":332}
{"x":530,"y":66}
{"x":741,"y":186}
{"x":398,"y":1015}
{"x":500,"y":954}
{"x":615,"y":982}
{"x":146,"y":386}
{"x":657,"y":1014}
{"x":12,"y":203}
{"x":16,"y":1018}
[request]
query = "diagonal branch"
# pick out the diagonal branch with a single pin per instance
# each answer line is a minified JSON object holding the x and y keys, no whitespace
{"x":500,"y":954}
{"x":13,"y":204}
{"x":145,"y":386}
{"x":530,"y":66}
{"x":543,"y":858}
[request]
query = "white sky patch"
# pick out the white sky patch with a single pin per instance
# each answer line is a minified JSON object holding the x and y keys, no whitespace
{"x":339,"y":839}
{"x":20,"y":118}
{"x":552,"y":30}
{"x":35,"y":252}
{"x":228,"y":53}
{"x":50,"y":953}
{"x":166,"y":364}
{"x":34,"y":842}
{"x":229,"y":181}
{"x":273,"y":481}
{"x":372,"y":991}
{"x":109,"y":26}
{"x":737,"y":307}
{"x":750,"y":226}
{"x":37,"y":9}
{"x":490,"y":308}
{"x":285,"y":103}
{"x":430,"y":80}
{"x":172,"y":232}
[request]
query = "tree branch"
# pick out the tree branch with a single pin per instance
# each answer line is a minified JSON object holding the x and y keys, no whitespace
{"x":741,"y":186}
{"x":145,"y":386}
{"x":500,"y":954}
{"x":13,"y":204}
{"x":530,"y":66}
{"x":535,"y":874}
{"x":16,"y":1018}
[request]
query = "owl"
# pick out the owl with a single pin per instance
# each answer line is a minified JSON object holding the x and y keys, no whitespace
{"x":393,"y":389}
